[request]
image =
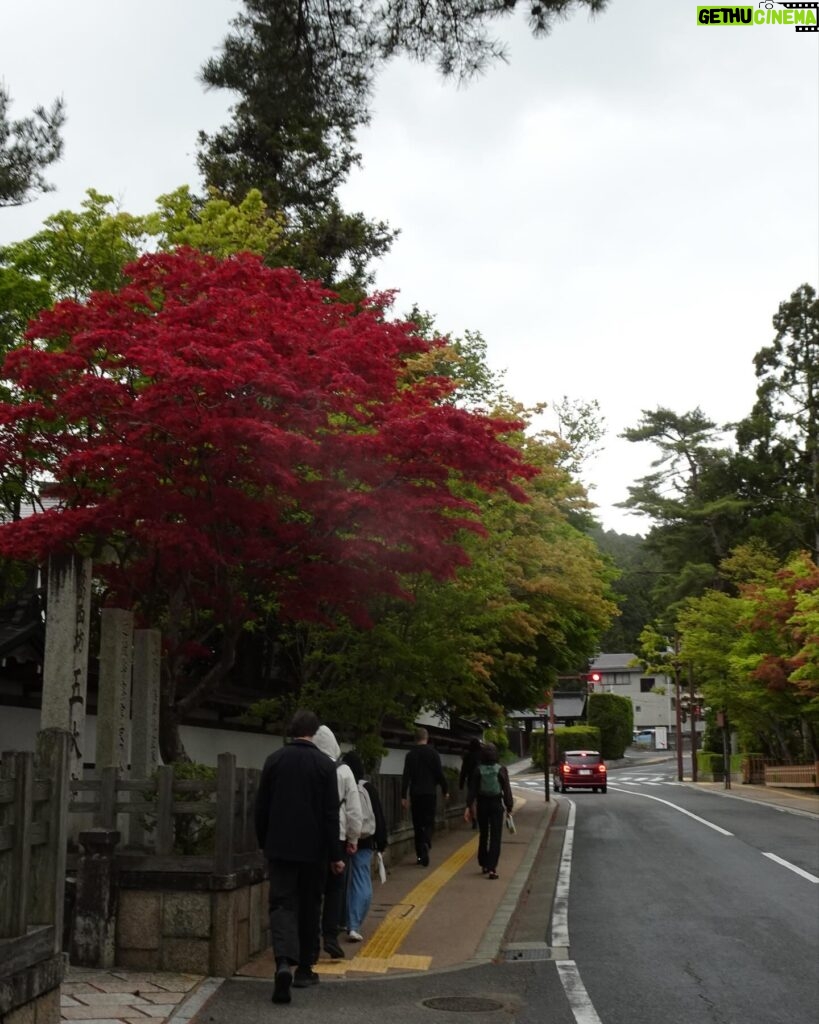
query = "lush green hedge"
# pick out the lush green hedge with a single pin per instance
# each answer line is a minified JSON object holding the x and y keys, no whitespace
{"x":567,"y":737}
{"x":613,"y":715}
{"x":708,"y":761}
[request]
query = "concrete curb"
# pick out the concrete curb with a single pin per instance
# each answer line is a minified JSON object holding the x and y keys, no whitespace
{"x":494,"y":935}
{"x":194,"y":1001}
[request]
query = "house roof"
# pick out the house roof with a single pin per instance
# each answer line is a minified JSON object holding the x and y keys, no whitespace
{"x":569,"y":705}
{"x":620,"y":662}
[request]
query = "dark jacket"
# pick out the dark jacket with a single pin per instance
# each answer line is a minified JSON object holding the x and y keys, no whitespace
{"x":472,"y":758}
{"x":474,"y":791}
{"x":422,"y":772}
{"x":296,"y":811}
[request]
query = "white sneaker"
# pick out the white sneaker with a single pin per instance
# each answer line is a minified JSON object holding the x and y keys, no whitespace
{"x":354,"y":936}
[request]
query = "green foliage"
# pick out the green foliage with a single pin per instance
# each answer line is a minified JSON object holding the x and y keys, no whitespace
{"x":710,"y":763}
{"x":499,"y":737}
{"x":566,"y":737}
{"x":27,"y":147}
{"x":193,"y":833}
{"x":613,"y":715}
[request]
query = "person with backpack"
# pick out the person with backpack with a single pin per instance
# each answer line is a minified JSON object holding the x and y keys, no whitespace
{"x":373,"y":838}
{"x":349,"y":829}
{"x":489,"y":799}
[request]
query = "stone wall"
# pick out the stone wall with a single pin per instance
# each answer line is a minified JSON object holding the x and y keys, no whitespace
{"x":212,"y":933}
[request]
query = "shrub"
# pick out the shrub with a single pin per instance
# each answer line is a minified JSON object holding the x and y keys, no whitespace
{"x":567,"y":737}
{"x":613,"y":715}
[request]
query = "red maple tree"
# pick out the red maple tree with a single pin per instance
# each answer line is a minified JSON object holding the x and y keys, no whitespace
{"x":223,"y":430}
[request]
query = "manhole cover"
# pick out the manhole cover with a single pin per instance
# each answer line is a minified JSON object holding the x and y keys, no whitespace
{"x":463,"y":1004}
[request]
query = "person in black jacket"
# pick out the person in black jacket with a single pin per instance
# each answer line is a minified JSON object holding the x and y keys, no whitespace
{"x":296,"y":817}
{"x":488,"y":798}
{"x":471,"y":760}
{"x":359,"y":865}
{"x":422,"y":774}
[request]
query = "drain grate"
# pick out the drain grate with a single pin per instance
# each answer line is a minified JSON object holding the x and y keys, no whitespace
{"x":541,"y":953}
{"x":463,"y":1004}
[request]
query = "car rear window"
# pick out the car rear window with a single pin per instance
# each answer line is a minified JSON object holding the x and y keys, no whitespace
{"x":583,"y":759}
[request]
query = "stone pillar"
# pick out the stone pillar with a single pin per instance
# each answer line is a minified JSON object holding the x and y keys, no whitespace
{"x":65,"y":665}
{"x":144,"y":717}
{"x":93,"y":940}
{"x":114,"y":695}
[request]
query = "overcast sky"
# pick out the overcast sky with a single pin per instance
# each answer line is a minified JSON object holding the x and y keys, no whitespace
{"x":619,"y":209}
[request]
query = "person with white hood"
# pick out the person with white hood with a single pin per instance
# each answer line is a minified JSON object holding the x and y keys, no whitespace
{"x":349,"y":829}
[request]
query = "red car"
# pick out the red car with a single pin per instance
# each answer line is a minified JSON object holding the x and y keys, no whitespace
{"x":580,"y":769}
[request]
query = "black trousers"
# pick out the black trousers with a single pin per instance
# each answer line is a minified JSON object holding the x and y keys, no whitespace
{"x":422,"y":806}
{"x":295,"y":908}
{"x":490,"y":823}
{"x":334,"y":909}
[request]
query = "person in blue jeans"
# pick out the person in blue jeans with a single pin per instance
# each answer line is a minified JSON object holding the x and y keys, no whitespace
{"x":359,"y":865}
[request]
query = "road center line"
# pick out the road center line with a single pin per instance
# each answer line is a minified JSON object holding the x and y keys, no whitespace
{"x":792,"y":867}
{"x":676,"y":807}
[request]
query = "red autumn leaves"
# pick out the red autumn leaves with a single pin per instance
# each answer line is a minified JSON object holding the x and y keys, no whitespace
{"x":238,"y":427}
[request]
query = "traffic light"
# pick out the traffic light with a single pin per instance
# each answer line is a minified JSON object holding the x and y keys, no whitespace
{"x":592,"y":680}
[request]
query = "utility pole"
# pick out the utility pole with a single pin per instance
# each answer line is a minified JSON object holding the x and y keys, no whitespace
{"x":694,"y":705}
{"x":678,"y":722}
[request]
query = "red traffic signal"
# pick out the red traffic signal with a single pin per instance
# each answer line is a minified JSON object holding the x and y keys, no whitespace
{"x":594,"y":677}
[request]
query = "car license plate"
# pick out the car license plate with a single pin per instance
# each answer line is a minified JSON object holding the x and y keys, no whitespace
{"x":585,"y":771}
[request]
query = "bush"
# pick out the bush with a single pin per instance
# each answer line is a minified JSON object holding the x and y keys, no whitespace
{"x":567,"y":737}
{"x":613,"y":715}
{"x":710,"y":763}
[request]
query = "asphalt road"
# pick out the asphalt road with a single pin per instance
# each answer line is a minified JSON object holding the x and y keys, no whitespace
{"x":654,"y":902}
{"x":679,"y":912}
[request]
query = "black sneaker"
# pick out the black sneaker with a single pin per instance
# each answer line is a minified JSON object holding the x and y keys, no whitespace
{"x":425,"y":857}
{"x":305,"y":977}
{"x":332,"y":948}
{"x":281,"y":985}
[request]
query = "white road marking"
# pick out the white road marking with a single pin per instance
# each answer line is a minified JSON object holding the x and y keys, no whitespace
{"x":579,"y":1002}
{"x":676,"y":807}
{"x":581,"y":1006}
{"x":792,"y":867}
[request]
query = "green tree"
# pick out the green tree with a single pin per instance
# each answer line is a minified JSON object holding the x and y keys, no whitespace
{"x":779,"y":441}
{"x":27,"y":147}
{"x":303,"y":74}
{"x":687,"y":497}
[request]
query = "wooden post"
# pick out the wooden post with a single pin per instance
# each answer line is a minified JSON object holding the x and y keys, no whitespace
{"x":21,"y":858}
{"x":164,"y":810}
{"x":225,"y":814}
{"x":107,"y":814}
{"x":48,"y":860}
{"x":6,"y":842}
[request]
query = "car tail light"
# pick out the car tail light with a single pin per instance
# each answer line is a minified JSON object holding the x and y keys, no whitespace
{"x":565,"y":768}
{"x":601,"y":768}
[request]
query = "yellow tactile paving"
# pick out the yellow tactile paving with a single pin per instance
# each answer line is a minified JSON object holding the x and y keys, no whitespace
{"x":408,"y":962}
{"x":391,"y":933}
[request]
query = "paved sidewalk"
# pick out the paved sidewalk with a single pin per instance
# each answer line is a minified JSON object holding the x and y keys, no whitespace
{"x":422,"y":920}
{"x":124,"y":997}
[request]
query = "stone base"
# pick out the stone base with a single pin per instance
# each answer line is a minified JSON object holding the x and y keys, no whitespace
{"x":211,"y":933}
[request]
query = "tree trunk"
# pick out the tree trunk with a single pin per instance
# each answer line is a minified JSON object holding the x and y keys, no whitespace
{"x":171,"y":747}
